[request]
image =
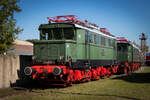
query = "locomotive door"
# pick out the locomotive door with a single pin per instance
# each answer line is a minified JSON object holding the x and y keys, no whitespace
{"x":87,"y":47}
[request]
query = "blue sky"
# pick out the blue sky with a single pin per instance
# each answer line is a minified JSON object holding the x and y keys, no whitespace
{"x":125,"y":18}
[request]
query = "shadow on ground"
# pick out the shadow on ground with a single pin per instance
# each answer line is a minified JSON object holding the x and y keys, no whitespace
{"x":23,"y":86}
{"x":90,"y":94}
{"x":136,"y":78}
{"x":30,"y":84}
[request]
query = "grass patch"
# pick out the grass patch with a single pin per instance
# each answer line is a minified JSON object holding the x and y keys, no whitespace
{"x":131,"y":87}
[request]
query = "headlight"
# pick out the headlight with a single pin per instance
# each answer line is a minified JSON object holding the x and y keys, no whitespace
{"x":61,"y":57}
{"x":56,"y":71}
{"x":28,"y":71}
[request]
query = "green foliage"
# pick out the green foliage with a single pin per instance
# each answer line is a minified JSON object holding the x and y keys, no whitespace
{"x":8,"y":29}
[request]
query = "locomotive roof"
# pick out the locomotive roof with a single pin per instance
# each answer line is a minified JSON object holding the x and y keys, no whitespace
{"x":124,"y":40}
{"x":73,"y":19}
{"x":94,"y":30}
{"x":135,"y":46}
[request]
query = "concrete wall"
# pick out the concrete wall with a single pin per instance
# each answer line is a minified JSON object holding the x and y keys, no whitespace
{"x":9,"y":67}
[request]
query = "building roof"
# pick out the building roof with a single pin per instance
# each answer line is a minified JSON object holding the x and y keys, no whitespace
{"x":22,"y":47}
{"x":22,"y":42}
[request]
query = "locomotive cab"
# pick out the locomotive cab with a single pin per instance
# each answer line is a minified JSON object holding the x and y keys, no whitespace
{"x":128,"y":55}
{"x":57,"y":40}
{"x":124,"y":52}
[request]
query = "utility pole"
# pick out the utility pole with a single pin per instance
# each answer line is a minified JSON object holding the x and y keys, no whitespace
{"x":143,"y":39}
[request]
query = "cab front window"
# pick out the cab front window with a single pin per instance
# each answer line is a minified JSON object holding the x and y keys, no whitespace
{"x":68,"y":33}
{"x":57,"y":34}
{"x":45,"y":34}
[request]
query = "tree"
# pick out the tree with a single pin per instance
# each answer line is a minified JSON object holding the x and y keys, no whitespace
{"x":8,"y":29}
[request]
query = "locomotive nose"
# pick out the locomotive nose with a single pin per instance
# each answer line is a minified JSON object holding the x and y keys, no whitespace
{"x":28,"y":71}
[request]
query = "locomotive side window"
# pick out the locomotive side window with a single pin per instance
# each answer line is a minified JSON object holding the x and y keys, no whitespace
{"x":103,"y":40}
{"x":86,"y":36}
{"x":68,"y":33}
{"x":113,"y":43}
{"x":91,"y":38}
{"x":129,"y":48}
{"x":98,"y":39}
{"x":109,"y":42}
{"x":95,"y":40}
{"x":106,"y":41}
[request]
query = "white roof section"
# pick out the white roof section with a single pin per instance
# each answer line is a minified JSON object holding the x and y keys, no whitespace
{"x":21,"y":42}
{"x":135,"y":46}
{"x":130,"y":44}
{"x":94,"y":30}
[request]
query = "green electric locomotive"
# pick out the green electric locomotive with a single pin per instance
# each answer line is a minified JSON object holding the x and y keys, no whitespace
{"x":82,"y":45}
{"x":61,"y":42}
{"x":70,"y":50}
{"x":128,"y":55}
